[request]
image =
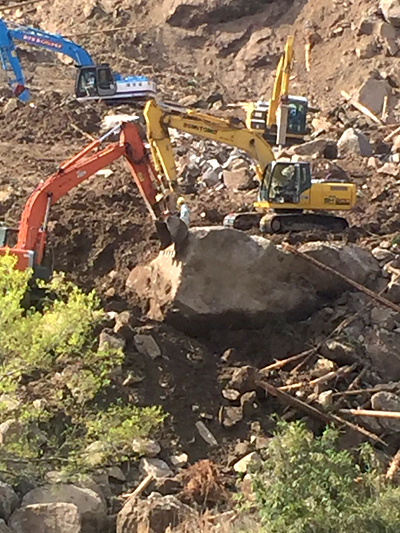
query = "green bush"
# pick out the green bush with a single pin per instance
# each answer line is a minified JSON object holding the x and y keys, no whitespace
{"x":308,"y":485}
{"x":55,"y":381}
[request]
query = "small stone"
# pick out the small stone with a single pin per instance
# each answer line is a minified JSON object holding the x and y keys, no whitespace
{"x":108,"y":341}
{"x":261,"y":442}
{"x":123,"y":325}
{"x":10,"y":106}
{"x":326,"y":398}
{"x":387,"y":401}
{"x":231,"y":416}
{"x":366,"y":51}
{"x":244,"y":379}
{"x":146,"y":345}
{"x":206,"y":434}
{"x":373,"y":162}
{"x":179,"y":460}
{"x":381,"y":254}
{"x":231,"y":394}
{"x":242,"y":449}
{"x":390,"y":169}
{"x":10,"y":431}
{"x":155,"y":467}
{"x":322,"y":367}
{"x":252,"y":460}
{"x":229,"y":355}
{"x":248,"y":403}
{"x":340,"y":353}
{"x":384,"y":317}
{"x":40,"y":404}
{"x":147,"y":447}
{"x":115,"y":472}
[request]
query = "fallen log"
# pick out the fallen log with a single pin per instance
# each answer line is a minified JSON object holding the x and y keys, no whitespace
{"x":328,"y":418}
{"x":342,"y":371}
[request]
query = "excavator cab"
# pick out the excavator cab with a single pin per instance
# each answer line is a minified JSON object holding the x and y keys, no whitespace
{"x":95,"y":82}
{"x":284,"y":182}
{"x":296,"y":125}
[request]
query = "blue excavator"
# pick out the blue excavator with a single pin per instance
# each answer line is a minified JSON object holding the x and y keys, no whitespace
{"x":93,"y":82}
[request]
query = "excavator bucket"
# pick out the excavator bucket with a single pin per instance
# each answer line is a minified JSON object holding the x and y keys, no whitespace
{"x":172,"y":230}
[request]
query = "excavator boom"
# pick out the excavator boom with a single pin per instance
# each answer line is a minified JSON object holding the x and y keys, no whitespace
{"x":30,"y":245}
{"x":159,"y":117}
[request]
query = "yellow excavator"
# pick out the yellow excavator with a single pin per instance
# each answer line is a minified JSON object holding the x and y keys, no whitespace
{"x":283,"y":119}
{"x":286,"y":191}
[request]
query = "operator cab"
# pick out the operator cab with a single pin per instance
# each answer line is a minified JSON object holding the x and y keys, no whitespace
{"x":95,"y":82}
{"x":284,"y":182}
{"x":297,"y":120}
{"x":99,"y":83}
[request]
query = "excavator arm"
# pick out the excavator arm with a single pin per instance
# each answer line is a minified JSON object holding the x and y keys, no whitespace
{"x":159,"y":117}
{"x":10,"y":32}
{"x":280,"y":91}
{"x":30,"y":244}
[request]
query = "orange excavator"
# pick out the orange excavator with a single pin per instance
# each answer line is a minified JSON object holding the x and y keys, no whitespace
{"x":159,"y":196}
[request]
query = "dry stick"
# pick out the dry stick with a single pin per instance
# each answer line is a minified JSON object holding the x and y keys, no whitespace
{"x":384,"y":109}
{"x":314,"y":412}
{"x":356,"y":392}
{"x":372,"y":414}
{"x":361,"y":288}
{"x":394,"y":466}
{"x":22,"y":4}
{"x":283,"y":362}
{"x":355,"y":103}
{"x":140,"y":488}
{"x":352,"y":386}
{"x":342,"y":371}
{"x":391,"y":135}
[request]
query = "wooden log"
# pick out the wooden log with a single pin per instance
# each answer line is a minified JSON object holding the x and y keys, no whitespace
{"x":328,"y":418}
{"x":140,"y":488}
{"x":355,"y":103}
{"x":395,"y":415}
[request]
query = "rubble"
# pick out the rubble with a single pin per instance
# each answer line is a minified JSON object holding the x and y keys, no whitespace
{"x":355,"y":141}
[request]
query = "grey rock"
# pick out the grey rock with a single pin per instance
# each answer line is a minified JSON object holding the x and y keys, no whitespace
{"x":339,"y":352}
{"x":179,"y":460}
{"x":4,"y":528}
{"x":384,"y":317}
{"x":156,"y":514}
{"x":382,"y":254}
{"x":147,"y":447}
{"x":250,"y":461}
{"x":239,"y":179}
{"x":155,"y":467}
{"x":46,"y":518}
{"x":248,"y":403}
{"x":372,"y":94}
{"x":387,"y":401}
{"x":108,"y":341}
{"x":10,"y":431}
{"x":231,"y":394}
{"x":244,"y":379}
{"x":197,"y":287}
{"x":391,"y":11}
{"x":316,"y":147}
{"x":356,"y":142}
{"x":123,"y":325}
{"x":206,"y":434}
{"x":90,"y":505}
{"x":231,"y":416}
{"x":8,"y":500}
{"x":146,"y":345}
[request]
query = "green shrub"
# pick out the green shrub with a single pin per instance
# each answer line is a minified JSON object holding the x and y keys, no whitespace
{"x":52,"y":355}
{"x":308,"y":485}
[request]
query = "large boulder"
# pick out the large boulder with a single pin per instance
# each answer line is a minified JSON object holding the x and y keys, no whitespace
{"x":391,"y":11}
{"x":355,"y":141}
{"x":8,"y":500}
{"x":46,"y":518}
{"x":193,"y":13}
{"x":156,"y":514}
{"x":372,"y":94}
{"x":90,"y":505}
{"x":225,"y":276}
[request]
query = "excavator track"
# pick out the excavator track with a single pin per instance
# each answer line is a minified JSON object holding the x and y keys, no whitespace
{"x":243,"y":221}
{"x":286,"y":222}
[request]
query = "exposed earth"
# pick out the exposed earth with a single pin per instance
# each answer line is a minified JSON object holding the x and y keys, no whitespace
{"x":98,"y":233}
